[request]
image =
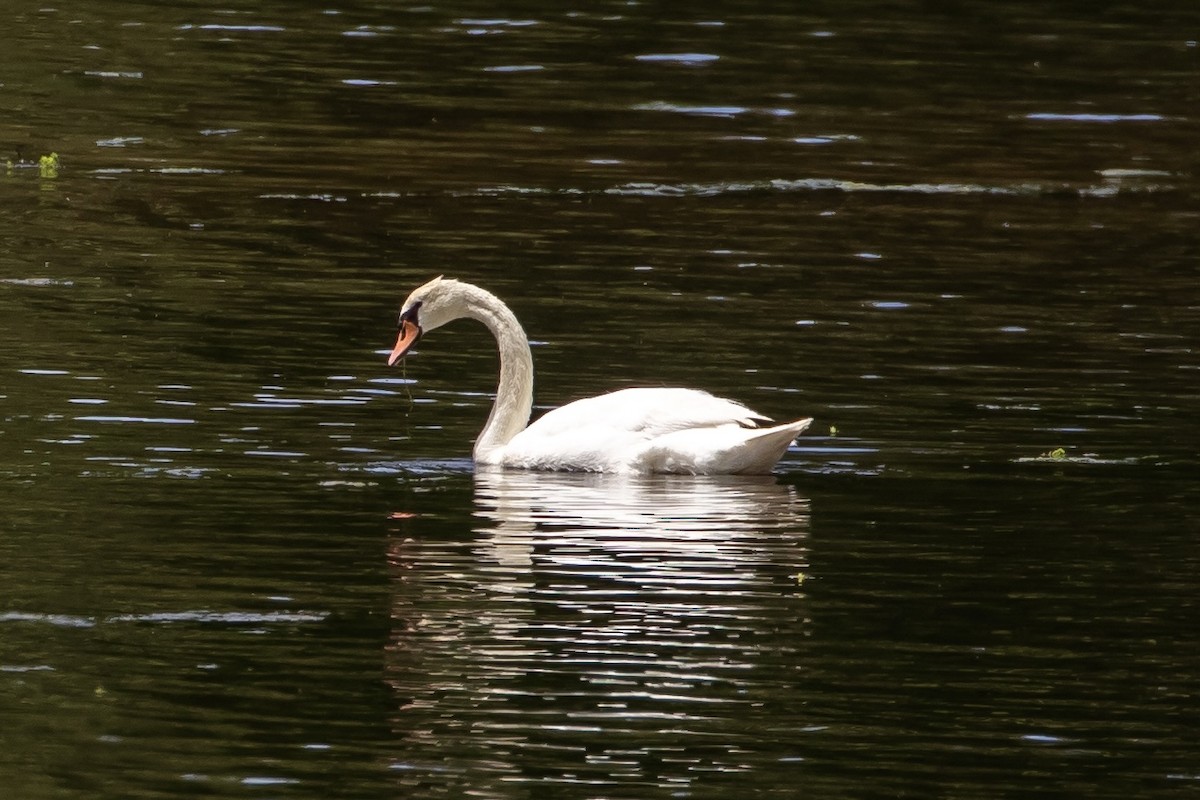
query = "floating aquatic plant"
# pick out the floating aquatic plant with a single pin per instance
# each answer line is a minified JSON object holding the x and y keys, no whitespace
{"x":48,"y":166}
{"x":1057,"y":454}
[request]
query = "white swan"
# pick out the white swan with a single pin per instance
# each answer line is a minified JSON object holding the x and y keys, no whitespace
{"x":627,"y":431}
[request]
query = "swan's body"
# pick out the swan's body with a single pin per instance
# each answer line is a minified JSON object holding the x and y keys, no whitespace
{"x":631,"y":430}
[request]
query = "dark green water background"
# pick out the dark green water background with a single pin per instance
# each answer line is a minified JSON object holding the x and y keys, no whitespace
{"x":961,"y":234}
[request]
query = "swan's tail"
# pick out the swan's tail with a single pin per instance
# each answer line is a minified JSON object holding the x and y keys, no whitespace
{"x":764,"y":447}
{"x":722,"y":450}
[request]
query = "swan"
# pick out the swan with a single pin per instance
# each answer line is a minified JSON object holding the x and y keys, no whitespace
{"x":629,"y":431}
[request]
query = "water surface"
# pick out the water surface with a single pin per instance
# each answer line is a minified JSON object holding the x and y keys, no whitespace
{"x":240,"y":556}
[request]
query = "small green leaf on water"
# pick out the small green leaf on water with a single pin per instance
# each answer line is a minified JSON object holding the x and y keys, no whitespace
{"x":833,"y":430}
{"x":1058,"y":454}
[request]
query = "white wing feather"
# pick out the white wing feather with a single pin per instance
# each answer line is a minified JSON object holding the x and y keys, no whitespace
{"x":648,"y":412}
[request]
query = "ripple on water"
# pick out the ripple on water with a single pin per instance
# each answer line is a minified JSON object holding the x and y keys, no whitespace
{"x":712,"y":110}
{"x":37,"y":282}
{"x":214,"y":26}
{"x":1053,"y":117}
{"x":686,"y":59}
{"x":137,"y":420}
{"x":1110,"y":188}
{"x":199,"y":616}
{"x":511,"y":68}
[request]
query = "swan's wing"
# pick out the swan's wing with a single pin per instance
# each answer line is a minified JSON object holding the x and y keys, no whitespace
{"x":726,"y":449}
{"x":651,"y":430}
{"x":647,"y":413}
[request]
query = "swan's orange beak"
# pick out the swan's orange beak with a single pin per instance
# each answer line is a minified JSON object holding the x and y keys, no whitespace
{"x":409,"y":333}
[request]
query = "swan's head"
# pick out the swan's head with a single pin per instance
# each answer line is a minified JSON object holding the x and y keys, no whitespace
{"x":428,"y":307}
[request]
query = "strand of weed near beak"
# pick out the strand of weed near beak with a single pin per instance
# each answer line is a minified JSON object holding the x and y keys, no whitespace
{"x":407,"y":386}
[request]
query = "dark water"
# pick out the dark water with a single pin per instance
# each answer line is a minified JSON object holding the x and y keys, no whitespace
{"x":240,"y":557}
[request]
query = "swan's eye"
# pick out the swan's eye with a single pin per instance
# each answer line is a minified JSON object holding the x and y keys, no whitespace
{"x":409,"y":314}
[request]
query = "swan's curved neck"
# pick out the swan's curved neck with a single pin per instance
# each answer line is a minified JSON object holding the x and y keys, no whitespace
{"x":514,"y":395}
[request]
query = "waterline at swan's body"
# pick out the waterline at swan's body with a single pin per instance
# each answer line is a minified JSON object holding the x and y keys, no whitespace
{"x":631,"y":430}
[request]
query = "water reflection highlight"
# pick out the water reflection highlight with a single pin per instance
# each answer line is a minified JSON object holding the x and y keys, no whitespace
{"x":593,"y":628}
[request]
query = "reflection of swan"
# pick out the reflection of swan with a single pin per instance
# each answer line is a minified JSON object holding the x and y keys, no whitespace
{"x":680,"y":524}
{"x":594,"y":629}
{"x":632,"y":430}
